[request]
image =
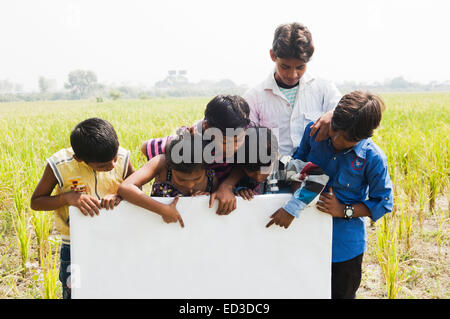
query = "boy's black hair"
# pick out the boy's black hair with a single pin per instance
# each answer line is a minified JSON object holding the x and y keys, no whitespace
{"x":94,"y":140}
{"x":258,"y":141}
{"x":174,"y":154}
{"x":358,"y":114}
{"x":227,"y":111}
{"x":293,"y":40}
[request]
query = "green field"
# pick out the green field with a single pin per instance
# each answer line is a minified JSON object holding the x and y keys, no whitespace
{"x":408,"y":250}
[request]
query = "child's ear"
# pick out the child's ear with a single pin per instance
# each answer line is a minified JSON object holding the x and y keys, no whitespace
{"x":272,"y":56}
{"x":205,"y":125}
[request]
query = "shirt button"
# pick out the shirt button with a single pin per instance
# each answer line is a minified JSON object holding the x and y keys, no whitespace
{"x":348,"y":185}
{"x":334,"y":158}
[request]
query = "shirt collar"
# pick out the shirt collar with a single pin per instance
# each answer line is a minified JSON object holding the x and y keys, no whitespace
{"x":271,"y":84}
{"x":359,"y":149}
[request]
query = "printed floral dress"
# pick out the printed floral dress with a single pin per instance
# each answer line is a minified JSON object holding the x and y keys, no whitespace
{"x":167,"y":189}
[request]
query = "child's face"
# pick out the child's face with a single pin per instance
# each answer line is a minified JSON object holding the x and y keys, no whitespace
{"x":288,"y":70}
{"x":339,"y":140}
{"x":230,"y":144}
{"x":100,"y":166}
{"x":188,"y":181}
{"x":103,"y":166}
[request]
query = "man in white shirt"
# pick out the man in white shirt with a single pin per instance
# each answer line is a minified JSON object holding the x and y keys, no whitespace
{"x":286,"y":102}
{"x":289,"y":98}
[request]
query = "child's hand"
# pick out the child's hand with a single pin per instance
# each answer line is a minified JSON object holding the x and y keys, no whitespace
{"x":226,"y":198}
{"x":110,"y":201}
{"x":281,"y":218}
{"x":246,"y":193}
{"x":328,"y":203}
{"x":87,"y":204}
{"x":171,"y":215}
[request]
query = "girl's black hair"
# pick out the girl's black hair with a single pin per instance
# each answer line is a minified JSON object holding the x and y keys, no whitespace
{"x":177,"y":158}
{"x":227,"y":111}
{"x":94,"y":140}
{"x":260,"y":149}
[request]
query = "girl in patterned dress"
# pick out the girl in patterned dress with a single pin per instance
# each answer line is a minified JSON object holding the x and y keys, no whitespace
{"x":174,"y":174}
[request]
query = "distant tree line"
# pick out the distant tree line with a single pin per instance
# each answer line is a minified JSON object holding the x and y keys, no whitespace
{"x":398,"y":84}
{"x":83,"y":84}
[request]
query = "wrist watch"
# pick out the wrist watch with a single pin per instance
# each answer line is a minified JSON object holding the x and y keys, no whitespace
{"x":348,"y":212}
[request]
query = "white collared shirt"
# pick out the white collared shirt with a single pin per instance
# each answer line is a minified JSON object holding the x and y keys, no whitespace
{"x":270,"y":108}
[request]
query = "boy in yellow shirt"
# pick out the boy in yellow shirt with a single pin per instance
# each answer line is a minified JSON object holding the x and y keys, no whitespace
{"x":87,"y":175}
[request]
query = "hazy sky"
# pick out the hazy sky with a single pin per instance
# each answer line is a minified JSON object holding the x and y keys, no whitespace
{"x":134,"y":42}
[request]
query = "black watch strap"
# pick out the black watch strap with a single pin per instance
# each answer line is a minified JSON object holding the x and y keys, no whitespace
{"x":348,"y":212}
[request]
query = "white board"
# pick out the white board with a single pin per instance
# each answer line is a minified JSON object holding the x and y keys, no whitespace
{"x":130,"y":252}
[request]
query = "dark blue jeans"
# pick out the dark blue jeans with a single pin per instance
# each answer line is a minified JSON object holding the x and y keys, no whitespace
{"x":64,"y":271}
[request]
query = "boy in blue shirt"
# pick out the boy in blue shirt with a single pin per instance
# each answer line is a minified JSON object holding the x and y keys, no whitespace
{"x":359,"y":184}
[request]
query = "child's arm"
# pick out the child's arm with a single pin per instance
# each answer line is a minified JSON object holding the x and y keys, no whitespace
{"x":314,"y":181}
{"x":130,"y":190}
{"x":284,"y":216}
{"x":380,"y":198}
{"x":330,"y":204}
{"x":42,"y":200}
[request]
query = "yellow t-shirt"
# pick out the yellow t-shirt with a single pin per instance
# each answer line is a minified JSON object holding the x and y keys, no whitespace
{"x":79,"y":177}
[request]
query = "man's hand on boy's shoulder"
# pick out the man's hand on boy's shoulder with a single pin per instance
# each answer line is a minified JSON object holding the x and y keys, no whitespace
{"x":322,"y":125}
{"x":281,"y":218}
{"x":88,"y":205}
{"x":110,"y":201}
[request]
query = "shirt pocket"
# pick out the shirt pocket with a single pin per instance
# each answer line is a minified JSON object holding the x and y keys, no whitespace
{"x":351,"y":181}
{"x":311,"y":117}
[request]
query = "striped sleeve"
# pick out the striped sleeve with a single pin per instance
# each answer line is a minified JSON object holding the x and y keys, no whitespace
{"x":157,"y":146}
{"x":314,"y":180}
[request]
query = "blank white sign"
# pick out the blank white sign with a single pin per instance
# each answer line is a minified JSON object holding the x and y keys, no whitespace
{"x":130,"y":252}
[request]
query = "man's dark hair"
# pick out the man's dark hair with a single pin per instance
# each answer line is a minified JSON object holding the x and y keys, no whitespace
{"x":94,"y":140}
{"x":293,"y":40}
{"x":258,"y":141}
{"x":176,"y":159}
{"x":358,"y":114}
{"x":227,"y":111}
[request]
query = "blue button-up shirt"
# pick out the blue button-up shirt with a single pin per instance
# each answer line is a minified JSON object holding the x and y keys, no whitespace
{"x":357,"y":175}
